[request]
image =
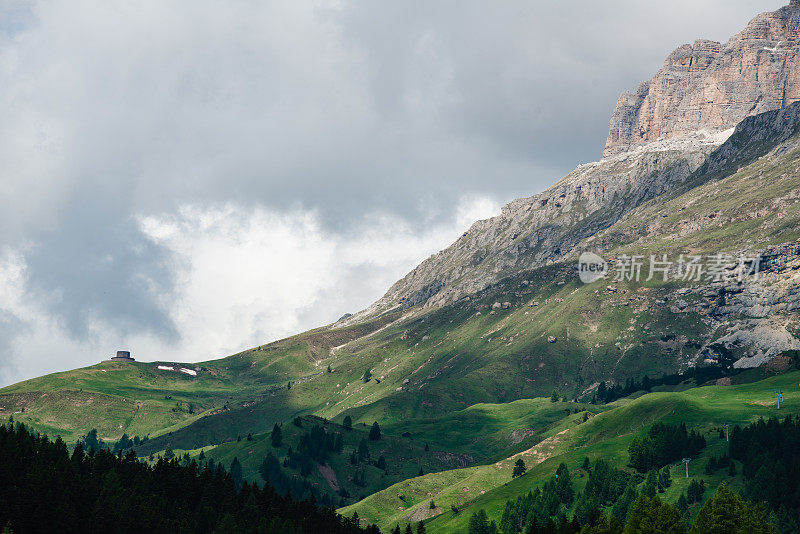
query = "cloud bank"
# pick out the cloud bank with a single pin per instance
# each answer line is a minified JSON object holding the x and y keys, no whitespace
{"x":188,"y":180}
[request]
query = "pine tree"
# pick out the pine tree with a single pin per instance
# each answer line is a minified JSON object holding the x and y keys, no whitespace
{"x":683,"y":504}
{"x":363,"y":449}
{"x":695,"y":492}
{"x":554,"y":396}
{"x":651,"y":515}
{"x":375,"y":432}
{"x":276,"y":436}
{"x":602,"y":392}
{"x":623,"y":505}
{"x":726,"y":512}
{"x":347,"y":423}
{"x":420,"y":528}
{"x":519,"y":468}
{"x":646,"y":383}
{"x":564,"y":489}
{"x":236,"y":472}
{"x":664,"y":479}
{"x":478,"y":523}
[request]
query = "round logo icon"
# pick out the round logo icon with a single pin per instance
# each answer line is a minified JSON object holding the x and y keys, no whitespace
{"x":591,"y":267}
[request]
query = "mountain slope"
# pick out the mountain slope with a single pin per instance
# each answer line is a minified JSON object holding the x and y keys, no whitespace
{"x":459,"y":353}
{"x":523,"y":336}
{"x":602,"y":436}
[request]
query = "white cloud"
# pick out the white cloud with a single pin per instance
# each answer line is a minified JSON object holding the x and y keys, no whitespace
{"x":244,"y":276}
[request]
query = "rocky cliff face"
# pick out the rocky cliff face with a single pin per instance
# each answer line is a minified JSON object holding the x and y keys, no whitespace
{"x":538,"y":230}
{"x":711,"y":86}
{"x":660,"y":143}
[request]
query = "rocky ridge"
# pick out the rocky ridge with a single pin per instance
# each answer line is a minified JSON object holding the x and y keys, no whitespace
{"x":659,"y":137}
{"x":546,"y":227}
{"x":710,"y":85}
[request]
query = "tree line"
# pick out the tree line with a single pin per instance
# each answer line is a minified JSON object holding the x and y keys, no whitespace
{"x":768,"y":451}
{"x":615,"y":501}
{"x":47,"y":489}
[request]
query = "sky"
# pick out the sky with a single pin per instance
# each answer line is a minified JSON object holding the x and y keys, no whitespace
{"x":186,"y":180}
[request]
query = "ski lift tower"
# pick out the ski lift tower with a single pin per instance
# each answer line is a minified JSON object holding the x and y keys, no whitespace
{"x":779,"y":393}
{"x":686,"y":461}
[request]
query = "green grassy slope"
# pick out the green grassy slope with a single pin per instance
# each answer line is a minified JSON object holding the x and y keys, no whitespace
{"x":450,"y":376}
{"x":139,"y":399}
{"x":404,"y":457}
{"x":605,"y":435}
{"x":433,"y":362}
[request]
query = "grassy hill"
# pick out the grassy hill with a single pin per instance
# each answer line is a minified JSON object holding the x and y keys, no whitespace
{"x":605,"y":435}
{"x":523,"y":337}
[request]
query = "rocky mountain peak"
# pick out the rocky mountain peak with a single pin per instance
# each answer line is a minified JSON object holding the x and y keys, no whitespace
{"x":660,"y":136}
{"x":710,"y":86}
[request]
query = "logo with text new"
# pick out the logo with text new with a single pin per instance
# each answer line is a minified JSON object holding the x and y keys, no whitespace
{"x":591,"y":267}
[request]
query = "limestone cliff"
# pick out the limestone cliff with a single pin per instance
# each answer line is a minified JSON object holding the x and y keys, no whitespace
{"x":711,"y":86}
{"x":660,"y":142}
{"x":538,"y":230}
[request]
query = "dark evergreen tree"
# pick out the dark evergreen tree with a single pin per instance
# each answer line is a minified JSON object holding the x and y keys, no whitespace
{"x":375,"y":432}
{"x":236,"y":472}
{"x":695,"y":491}
{"x":586,"y":466}
{"x":683,"y":504}
{"x":564,"y":489}
{"x":664,"y":479}
{"x":519,"y":468}
{"x":651,"y":515}
{"x":363,"y":449}
{"x":726,"y":512}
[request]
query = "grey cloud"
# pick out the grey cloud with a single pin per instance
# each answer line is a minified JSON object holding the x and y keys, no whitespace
{"x":110,"y":111}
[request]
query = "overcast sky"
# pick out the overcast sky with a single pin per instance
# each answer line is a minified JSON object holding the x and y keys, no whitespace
{"x":190,"y":179}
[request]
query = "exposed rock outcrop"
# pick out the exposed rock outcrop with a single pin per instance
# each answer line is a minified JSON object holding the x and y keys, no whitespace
{"x":711,"y":86}
{"x":544,"y":228}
